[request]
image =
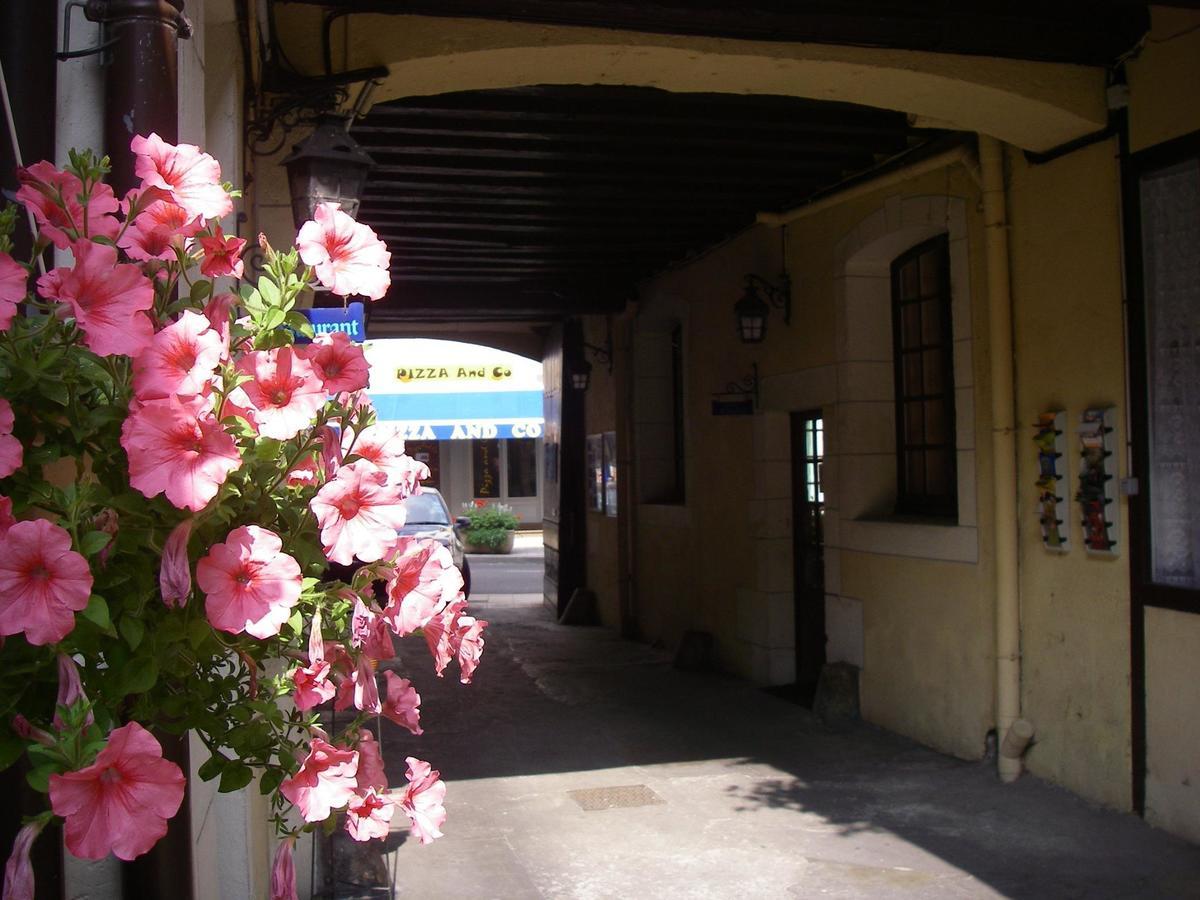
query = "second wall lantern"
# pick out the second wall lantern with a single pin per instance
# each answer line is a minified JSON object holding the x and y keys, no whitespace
{"x":328,"y":167}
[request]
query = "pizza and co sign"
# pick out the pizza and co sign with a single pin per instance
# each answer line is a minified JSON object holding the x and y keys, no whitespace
{"x":453,"y":373}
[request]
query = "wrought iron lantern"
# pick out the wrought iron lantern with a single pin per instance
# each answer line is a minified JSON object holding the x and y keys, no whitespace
{"x":328,"y":167}
{"x":752,"y":310}
{"x":581,"y":374}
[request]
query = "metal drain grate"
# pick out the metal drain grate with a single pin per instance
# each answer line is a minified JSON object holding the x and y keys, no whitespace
{"x":591,"y":799}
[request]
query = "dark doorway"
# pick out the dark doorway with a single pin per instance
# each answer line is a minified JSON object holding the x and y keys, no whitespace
{"x":563,"y":494}
{"x":808,"y":550}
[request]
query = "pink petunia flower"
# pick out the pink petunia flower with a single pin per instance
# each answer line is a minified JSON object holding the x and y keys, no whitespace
{"x":18,"y":871}
{"x":120,"y":803}
{"x":108,"y":300}
{"x":369,"y":815}
{"x":423,"y":799}
{"x":222,"y":255}
{"x":12,"y":454}
{"x":339,"y":362}
{"x":383,"y":445}
{"x":370,"y":763}
{"x":441,"y":635}
{"x":422,"y":582}
{"x":43,"y":582}
{"x":216,"y":310}
{"x":285,"y":392}
{"x":359,"y":514}
{"x":283,"y":871}
{"x":70,"y":690}
{"x":56,"y":199}
{"x":177,"y":447}
{"x":249,"y":583}
{"x":325,"y":782}
{"x":193,"y":178}
{"x":312,"y":684}
{"x":158,"y":230}
{"x":180,"y":360}
{"x":14,"y":285}
{"x":369,"y":632}
{"x":6,"y":517}
{"x":469,"y":637}
{"x":360,"y":688}
{"x":347,"y":256}
{"x":403,"y":703}
{"x":175,"y":572}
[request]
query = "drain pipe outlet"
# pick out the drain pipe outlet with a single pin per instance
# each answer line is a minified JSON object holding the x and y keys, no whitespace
{"x":1017,"y":739}
{"x":1004,"y":455}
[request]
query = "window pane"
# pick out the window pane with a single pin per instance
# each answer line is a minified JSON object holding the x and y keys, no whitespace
{"x":914,"y":423}
{"x":931,"y":323}
{"x":935,"y":422}
{"x":909,"y":280}
{"x":485,"y":466}
{"x":1171,"y":259}
{"x":939,"y":474}
{"x":910,"y":319}
{"x":522,"y":467}
{"x":912,"y":373}
{"x":934,"y":368}
{"x":916,"y":472}
{"x":931,"y":272}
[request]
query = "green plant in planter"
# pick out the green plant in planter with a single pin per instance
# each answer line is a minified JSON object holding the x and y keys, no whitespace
{"x":489,"y":525}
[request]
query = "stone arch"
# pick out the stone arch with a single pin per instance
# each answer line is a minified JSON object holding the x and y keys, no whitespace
{"x":1030,"y":104}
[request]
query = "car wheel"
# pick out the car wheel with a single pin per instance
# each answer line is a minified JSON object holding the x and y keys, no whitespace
{"x":466,"y":574}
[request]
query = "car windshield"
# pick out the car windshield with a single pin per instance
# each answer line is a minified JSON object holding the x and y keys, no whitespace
{"x":426,"y":509}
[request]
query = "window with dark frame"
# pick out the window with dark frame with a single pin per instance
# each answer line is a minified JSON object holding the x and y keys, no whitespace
{"x":678,"y":489}
{"x":923,"y":355}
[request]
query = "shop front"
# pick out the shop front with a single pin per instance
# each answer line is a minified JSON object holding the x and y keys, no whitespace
{"x":473,"y":414}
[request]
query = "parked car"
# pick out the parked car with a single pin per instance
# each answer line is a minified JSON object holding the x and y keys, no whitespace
{"x":426,"y":516}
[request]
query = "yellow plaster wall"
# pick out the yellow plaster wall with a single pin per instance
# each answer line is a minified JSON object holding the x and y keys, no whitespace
{"x":1173,"y":721}
{"x":1164,"y":79}
{"x":1066,"y":284}
{"x":927,"y":624}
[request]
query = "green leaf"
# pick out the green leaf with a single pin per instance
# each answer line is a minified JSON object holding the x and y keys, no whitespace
{"x":235,"y":777}
{"x":269,"y":291}
{"x":133,"y":630}
{"x":93,"y":542}
{"x":53,"y":389}
{"x":273,"y":318}
{"x":39,"y":778}
{"x":11,"y":748}
{"x":299,"y":322}
{"x":141,"y":675}
{"x":199,"y":631}
{"x":213,"y":767}
{"x":251,"y":299}
{"x":271,"y":780}
{"x":97,"y":611}
{"x":200,"y":292}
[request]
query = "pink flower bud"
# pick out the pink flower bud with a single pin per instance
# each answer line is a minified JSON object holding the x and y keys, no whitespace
{"x":29,"y":732}
{"x":331,"y":450}
{"x":18,"y":872}
{"x":175,"y":575}
{"x":283,"y":872}
{"x":316,"y":643}
{"x":70,"y":690}
{"x":108,"y":522}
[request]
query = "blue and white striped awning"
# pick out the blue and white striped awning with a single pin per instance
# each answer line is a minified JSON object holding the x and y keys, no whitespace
{"x":447,"y":390}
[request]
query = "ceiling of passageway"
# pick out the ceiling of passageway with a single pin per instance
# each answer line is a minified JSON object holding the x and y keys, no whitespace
{"x":549,"y":200}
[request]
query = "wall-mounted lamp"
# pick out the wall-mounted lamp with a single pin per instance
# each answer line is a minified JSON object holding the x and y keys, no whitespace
{"x":329,"y":166}
{"x":752,"y":310}
{"x":581,"y":372}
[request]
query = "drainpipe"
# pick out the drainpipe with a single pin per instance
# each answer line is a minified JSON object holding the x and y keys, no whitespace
{"x":141,"y":95}
{"x":1004,"y":526}
{"x":141,"y":83}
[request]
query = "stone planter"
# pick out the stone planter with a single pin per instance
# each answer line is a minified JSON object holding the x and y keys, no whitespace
{"x":506,"y":545}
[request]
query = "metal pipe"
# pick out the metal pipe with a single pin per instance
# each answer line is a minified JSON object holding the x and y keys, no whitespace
{"x":141,"y":83}
{"x":1004,"y":450}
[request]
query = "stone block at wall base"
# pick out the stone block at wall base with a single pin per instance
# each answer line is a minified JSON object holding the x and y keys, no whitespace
{"x":836,"y":702}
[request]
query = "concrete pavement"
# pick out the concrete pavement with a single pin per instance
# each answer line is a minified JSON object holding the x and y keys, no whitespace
{"x":579,"y":765}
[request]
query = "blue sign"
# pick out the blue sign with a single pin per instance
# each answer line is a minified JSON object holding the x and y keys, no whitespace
{"x":351,"y":321}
